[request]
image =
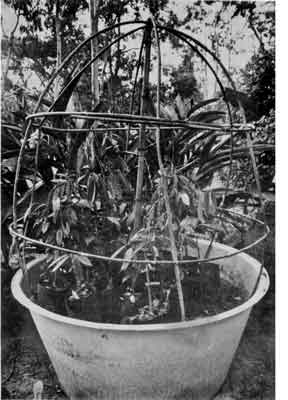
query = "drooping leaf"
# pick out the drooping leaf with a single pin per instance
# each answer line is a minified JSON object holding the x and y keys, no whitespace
{"x":184,"y":197}
{"x":92,"y":187}
{"x":88,"y":240}
{"x":201,"y":104}
{"x":170,"y":112}
{"x":128,"y":256}
{"x":190,"y":139}
{"x":124,"y":181}
{"x":74,"y":105}
{"x":37,"y":258}
{"x":55,"y":207}
{"x":73,"y":216}
{"x":69,"y":85}
{"x":81,"y":158}
{"x":78,"y":269}
{"x":59,"y":237}
{"x":208,"y":116}
{"x":181,"y":106}
{"x":45,"y":226}
{"x":9,"y":163}
{"x":189,"y":223}
{"x":131,"y":217}
{"x":58,"y":262}
{"x":10,"y":137}
{"x":84,"y":203}
{"x":205,"y":151}
{"x":118,"y":251}
{"x":114,"y":221}
{"x":27,"y":214}
{"x":209,"y":171}
{"x":201,"y":207}
{"x":234,"y":97}
{"x":155,"y":252}
{"x":122,"y":208}
{"x":224,"y":140}
{"x":84,"y":260}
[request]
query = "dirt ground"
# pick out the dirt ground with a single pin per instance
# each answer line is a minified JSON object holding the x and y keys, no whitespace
{"x":251,"y":376}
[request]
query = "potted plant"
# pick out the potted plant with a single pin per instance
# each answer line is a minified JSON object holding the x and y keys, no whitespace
{"x":136,"y":298}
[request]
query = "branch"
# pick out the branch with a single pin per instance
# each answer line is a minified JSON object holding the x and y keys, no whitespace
{"x":16,"y":25}
{"x":2,"y":26}
{"x":257,"y":34}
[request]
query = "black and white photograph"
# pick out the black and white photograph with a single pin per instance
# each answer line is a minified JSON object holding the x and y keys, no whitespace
{"x":138,"y":200}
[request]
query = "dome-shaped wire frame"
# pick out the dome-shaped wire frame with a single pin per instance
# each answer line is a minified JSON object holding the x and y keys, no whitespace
{"x":155,"y":122}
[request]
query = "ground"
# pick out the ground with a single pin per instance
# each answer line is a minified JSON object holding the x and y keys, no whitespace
{"x":251,"y":376}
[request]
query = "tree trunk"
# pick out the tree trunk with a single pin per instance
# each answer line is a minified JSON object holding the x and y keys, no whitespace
{"x":94,"y":8}
{"x":11,"y":44}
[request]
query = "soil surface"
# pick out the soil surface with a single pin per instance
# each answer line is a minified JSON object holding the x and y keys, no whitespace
{"x":251,"y":376}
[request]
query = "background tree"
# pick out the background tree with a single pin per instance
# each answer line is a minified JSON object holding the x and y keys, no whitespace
{"x":43,"y":28}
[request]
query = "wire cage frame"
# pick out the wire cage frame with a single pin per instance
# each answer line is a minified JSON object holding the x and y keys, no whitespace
{"x":137,"y":122}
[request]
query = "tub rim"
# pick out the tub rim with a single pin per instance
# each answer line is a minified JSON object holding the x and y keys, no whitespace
{"x":259,"y":293}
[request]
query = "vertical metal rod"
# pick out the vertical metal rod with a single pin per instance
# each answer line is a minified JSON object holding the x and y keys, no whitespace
{"x":141,"y":143}
{"x":94,"y":16}
{"x":134,"y":90}
{"x":174,"y":251}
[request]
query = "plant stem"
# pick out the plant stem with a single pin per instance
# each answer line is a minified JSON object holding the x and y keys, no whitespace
{"x":177,"y":271}
{"x":148,"y":288}
{"x":141,"y":145}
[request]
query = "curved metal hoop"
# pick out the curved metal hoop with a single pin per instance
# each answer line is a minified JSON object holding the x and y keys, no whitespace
{"x":138,"y":119}
{"x":39,"y":243}
{"x":76,"y":50}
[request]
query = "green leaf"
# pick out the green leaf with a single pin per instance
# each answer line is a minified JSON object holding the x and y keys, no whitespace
{"x":208,"y":116}
{"x":27,"y":214}
{"x":92,"y":188}
{"x":155,"y":251}
{"x":212,"y":204}
{"x":212,"y":228}
{"x":170,"y":112}
{"x":183,"y":196}
{"x":88,"y":240}
{"x":45,"y":226}
{"x":189,"y":222}
{"x":205,"y":151}
{"x":84,"y":260}
{"x":38,"y":258}
{"x":181,"y":107}
{"x":58,"y":262}
{"x":10,"y":164}
{"x":128,"y":256}
{"x":78,"y":269}
{"x":131,"y":217}
{"x":55,"y":207}
{"x":73,"y":216}
{"x":202,"y":104}
{"x":84,"y":203}
{"x":201,"y":208}
{"x":122,"y":208}
{"x":59,"y":237}
{"x":114,"y":221}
